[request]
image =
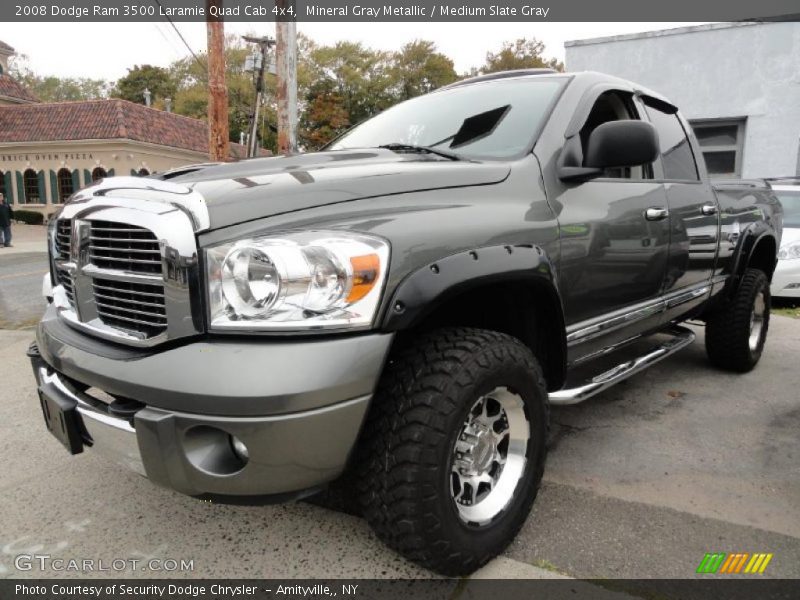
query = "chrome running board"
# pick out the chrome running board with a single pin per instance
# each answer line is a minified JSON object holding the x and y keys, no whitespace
{"x":681,"y":337}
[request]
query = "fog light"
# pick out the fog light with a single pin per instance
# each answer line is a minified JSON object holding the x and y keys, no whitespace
{"x":239,"y":449}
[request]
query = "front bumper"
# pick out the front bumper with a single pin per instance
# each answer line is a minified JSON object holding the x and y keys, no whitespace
{"x":786,"y":279}
{"x":298,"y":442}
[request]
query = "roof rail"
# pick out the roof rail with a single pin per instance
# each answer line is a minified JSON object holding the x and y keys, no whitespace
{"x":500,"y":75}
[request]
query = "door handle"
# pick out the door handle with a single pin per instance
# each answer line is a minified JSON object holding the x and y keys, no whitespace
{"x":709,"y":209}
{"x":656,"y":214}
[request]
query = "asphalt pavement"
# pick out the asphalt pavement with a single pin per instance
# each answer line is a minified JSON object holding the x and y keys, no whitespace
{"x":21,"y":269}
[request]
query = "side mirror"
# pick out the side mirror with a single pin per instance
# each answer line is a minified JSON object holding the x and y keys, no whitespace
{"x":610,"y":145}
{"x":621,"y":144}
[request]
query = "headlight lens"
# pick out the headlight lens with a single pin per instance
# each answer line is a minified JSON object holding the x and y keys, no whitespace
{"x":297,"y":281}
{"x":789,"y":251}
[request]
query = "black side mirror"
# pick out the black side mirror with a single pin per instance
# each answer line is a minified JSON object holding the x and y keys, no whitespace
{"x":621,"y":144}
{"x":610,"y":145}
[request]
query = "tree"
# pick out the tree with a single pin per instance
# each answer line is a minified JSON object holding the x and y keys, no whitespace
{"x":418,"y":69}
{"x":50,"y":88}
{"x":156,"y":79}
{"x":323,"y":119}
{"x":520,"y":54}
{"x":190,"y":75}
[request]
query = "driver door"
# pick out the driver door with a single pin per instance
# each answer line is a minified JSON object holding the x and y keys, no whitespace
{"x":613,"y":253}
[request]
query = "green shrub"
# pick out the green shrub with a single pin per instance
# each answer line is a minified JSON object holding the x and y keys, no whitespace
{"x":31,"y":217}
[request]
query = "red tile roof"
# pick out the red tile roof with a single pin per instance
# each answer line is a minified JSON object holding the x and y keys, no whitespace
{"x":101,"y":120}
{"x":10,"y":88}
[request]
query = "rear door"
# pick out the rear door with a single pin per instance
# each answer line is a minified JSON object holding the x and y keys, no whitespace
{"x":693,"y":212}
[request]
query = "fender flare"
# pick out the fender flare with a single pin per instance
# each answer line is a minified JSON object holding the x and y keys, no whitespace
{"x":751,"y":237}
{"x":423,"y":290}
{"x":428,"y":288}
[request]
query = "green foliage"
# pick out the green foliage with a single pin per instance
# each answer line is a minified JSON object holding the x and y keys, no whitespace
{"x":30,"y":217}
{"x":418,"y":69}
{"x":50,"y":88}
{"x":156,"y":79}
{"x":344,"y":84}
{"x":520,"y":54}
{"x":191,"y":77}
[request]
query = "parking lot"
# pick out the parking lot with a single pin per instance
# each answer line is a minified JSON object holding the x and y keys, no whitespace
{"x":641,"y":481}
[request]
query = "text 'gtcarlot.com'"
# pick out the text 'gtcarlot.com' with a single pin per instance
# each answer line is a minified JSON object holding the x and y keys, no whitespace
{"x":44,"y":562}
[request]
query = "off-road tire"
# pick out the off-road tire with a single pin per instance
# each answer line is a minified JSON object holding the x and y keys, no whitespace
{"x":728,"y":327}
{"x":403,"y":461}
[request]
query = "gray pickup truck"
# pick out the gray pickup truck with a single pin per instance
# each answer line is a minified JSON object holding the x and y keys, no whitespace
{"x":399,"y":312}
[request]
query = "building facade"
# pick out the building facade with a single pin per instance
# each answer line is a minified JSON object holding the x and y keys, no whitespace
{"x":738,"y":84}
{"x":50,"y":150}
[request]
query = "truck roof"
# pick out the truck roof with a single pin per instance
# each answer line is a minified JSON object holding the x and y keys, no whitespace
{"x":586,"y":78}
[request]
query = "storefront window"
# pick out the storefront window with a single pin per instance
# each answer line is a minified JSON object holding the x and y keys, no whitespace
{"x":99,"y":173}
{"x":33,"y":194}
{"x":65,"y":185}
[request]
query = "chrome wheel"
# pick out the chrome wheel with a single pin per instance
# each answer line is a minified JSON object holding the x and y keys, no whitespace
{"x":489,"y":456}
{"x":757,"y":320}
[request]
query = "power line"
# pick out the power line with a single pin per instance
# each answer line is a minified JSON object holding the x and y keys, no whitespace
{"x":180,"y":35}
{"x":167,"y":39}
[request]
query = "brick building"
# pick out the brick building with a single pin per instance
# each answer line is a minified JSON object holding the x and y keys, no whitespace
{"x":49,"y":150}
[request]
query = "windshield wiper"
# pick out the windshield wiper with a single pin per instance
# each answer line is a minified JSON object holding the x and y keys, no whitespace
{"x":398,"y":147}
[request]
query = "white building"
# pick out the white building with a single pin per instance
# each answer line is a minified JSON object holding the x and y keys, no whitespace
{"x":737,"y":83}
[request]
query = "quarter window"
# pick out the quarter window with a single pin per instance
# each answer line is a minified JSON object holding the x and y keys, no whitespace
{"x":721,"y":143}
{"x":677,"y":158}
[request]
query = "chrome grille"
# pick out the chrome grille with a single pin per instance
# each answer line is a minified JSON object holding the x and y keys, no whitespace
{"x":125,"y":261}
{"x":65,"y":279}
{"x":63,"y":237}
{"x":124,"y":247}
{"x":131,"y":306}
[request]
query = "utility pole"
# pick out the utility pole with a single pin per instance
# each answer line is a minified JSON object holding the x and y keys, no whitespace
{"x":286,"y":67}
{"x":218,"y":132}
{"x":265,"y":43}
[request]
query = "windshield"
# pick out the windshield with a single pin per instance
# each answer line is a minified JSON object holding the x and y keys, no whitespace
{"x":790,"y":201}
{"x":494,"y":119}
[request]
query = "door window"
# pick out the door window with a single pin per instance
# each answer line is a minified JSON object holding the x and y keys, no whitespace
{"x":677,"y":158}
{"x":614,"y":106}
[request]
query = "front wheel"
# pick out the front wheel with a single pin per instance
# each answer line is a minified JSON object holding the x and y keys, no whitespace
{"x":737,"y":331}
{"x":454,"y":448}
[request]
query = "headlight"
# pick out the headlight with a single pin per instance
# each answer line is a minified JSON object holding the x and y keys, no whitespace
{"x":296,"y":281}
{"x":789,"y":251}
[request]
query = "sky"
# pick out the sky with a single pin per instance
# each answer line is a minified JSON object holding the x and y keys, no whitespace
{"x":105,"y":51}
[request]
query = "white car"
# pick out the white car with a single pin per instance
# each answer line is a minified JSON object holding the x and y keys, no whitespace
{"x":786,"y":280}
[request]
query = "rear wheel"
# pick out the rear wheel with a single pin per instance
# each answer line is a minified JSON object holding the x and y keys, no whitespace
{"x":454,"y":449}
{"x":736,"y":332}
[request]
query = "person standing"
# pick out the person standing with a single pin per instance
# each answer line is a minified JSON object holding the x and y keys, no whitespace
{"x":6,"y":214}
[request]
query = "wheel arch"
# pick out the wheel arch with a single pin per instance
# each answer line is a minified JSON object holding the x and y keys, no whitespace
{"x":505,"y":288}
{"x":757,"y":249}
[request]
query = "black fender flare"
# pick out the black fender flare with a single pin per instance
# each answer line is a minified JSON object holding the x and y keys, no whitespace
{"x":429,"y":287}
{"x":420,"y":292}
{"x":750,"y":239}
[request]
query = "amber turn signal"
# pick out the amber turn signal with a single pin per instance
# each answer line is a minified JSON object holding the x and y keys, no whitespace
{"x":366,"y":270}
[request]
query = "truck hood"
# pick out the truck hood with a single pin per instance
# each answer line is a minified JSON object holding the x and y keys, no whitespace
{"x":263,"y":187}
